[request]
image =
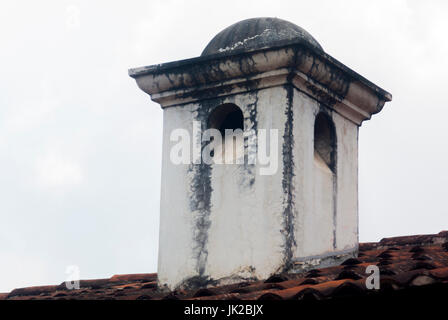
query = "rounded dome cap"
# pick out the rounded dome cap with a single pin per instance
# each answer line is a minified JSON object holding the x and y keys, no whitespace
{"x":258,"y":33}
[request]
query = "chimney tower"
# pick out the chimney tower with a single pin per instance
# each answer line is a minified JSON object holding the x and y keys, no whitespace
{"x":288,"y":201}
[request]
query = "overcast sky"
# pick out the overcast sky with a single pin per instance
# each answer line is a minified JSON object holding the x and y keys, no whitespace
{"x":80,"y":144}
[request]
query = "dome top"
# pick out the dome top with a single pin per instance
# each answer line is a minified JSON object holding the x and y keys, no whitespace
{"x":258,"y":33}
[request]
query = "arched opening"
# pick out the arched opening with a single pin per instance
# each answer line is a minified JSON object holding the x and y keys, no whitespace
{"x":322,"y":220}
{"x":226,"y":116}
{"x":325,"y":140}
{"x":228,"y":119}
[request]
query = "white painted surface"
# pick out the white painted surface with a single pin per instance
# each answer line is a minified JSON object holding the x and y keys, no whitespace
{"x":175,"y":259}
{"x":245,"y":219}
{"x":245,"y":238}
{"x":321,"y":220}
{"x":347,"y":184}
{"x":315,"y":223}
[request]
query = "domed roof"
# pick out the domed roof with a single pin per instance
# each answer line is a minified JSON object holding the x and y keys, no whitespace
{"x":258,"y":33}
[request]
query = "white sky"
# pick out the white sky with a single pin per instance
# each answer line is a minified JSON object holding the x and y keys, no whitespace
{"x":80,"y":144}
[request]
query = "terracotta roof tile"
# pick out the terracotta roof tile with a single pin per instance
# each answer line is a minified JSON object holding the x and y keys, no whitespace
{"x":404,"y":262}
{"x":139,"y":277}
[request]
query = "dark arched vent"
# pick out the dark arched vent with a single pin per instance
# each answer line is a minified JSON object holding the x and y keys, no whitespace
{"x":325,"y":140}
{"x":226,"y":116}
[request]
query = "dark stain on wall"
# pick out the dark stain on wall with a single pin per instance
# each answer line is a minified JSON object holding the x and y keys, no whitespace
{"x":251,"y":120}
{"x":287,"y":183}
{"x":200,"y":200}
{"x":325,"y":70}
{"x":335,"y":185}
{"x":200,"y":206}
{"x":201,"y":188}
{"x":198,"y":282}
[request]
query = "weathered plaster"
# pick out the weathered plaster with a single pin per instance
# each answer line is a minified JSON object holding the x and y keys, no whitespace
{"x":224,"y":223}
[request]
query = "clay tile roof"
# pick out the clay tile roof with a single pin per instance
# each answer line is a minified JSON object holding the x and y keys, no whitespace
{"x":404,"y":263}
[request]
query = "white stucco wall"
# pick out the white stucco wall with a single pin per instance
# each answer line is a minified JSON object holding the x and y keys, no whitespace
{"x":316,"y":226}
{"x":320,"y":225}
{"x":243,"y":239}
{"x":347,"y":183}
{"x":244,"y":234}
{"x":175,"y":260}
